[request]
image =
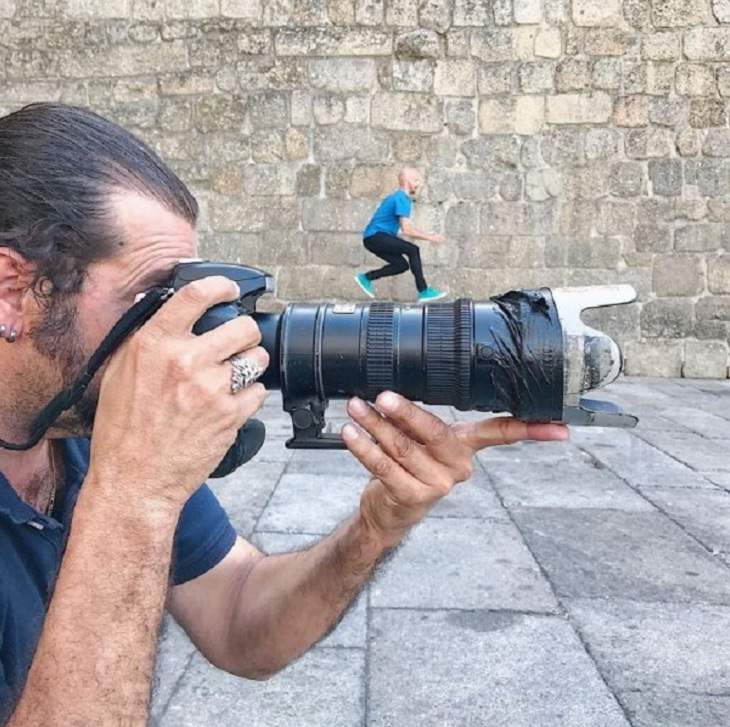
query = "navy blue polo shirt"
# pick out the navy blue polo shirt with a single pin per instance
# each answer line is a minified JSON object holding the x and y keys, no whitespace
{"x":32,"y":546}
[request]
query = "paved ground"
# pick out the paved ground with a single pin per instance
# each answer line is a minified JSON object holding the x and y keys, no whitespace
{"x":573,"y":585}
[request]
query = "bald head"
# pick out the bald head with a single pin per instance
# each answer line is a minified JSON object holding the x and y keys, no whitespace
{"x":410,"y":180}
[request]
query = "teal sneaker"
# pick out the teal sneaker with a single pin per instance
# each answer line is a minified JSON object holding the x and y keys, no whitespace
{"x":365,"y":284}
{"x":430,"y":294}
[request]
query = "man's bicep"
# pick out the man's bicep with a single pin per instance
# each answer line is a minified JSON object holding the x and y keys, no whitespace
{"x":205,"y":606}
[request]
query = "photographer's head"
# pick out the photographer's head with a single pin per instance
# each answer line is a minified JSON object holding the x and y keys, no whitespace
{"x":89,"y":217}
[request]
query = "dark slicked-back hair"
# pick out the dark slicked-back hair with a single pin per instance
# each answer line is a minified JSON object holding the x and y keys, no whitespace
{"x":59,"y":166}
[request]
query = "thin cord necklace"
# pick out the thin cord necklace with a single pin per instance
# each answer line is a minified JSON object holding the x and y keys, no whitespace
{"x":54,"y":477}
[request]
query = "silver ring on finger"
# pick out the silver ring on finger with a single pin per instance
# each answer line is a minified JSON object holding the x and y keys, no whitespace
{"x":244,"y":372}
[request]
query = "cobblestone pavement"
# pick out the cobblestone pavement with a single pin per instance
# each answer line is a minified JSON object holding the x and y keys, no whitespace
{"x":572,"y":585}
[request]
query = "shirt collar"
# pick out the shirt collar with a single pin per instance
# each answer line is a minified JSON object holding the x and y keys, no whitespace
{"x":75,"y":465}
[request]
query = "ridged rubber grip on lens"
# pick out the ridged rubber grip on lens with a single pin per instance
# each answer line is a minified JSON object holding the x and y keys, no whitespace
{"x":379,"y":349}
{"x":448,"y":353}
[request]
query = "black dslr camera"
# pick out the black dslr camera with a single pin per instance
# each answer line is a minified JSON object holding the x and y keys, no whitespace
{"x":526,"y":352}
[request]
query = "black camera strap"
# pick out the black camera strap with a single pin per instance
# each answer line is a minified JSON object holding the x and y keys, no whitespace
{"x":136,"y":316}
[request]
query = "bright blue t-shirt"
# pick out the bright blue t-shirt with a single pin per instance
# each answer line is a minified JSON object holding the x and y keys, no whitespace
{"x":387,"y":216}
{"x":32,"y":546}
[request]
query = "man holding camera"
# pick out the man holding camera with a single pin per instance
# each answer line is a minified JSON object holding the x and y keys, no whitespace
{"x":104,"y":522}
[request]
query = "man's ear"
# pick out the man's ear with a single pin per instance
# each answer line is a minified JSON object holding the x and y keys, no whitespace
{"x":16,"y":277}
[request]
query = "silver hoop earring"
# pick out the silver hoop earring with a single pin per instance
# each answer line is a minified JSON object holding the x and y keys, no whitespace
{"x":12,"y":336}
{"x":2,"y":330}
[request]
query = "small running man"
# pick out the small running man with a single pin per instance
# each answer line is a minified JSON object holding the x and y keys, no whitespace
{"x":393,"y":216}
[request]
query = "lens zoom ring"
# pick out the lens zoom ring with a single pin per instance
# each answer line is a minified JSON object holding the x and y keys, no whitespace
{"x":463,"y":322}
{"x":379,"y":349}
{"x":440,"y":363}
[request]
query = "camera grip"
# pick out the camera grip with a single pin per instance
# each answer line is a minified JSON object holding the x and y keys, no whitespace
{"x":249,"y":440}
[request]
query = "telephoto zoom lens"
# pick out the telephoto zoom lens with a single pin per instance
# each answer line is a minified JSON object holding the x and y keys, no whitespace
{"x":526,"y":352}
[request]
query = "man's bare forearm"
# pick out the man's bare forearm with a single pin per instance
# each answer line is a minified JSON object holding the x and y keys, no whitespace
{"x":417,"y":234}
{"x":95,"y":657}
{"x":290,"y":601}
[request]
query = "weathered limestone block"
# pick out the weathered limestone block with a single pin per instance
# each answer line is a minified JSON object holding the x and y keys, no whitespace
{"x":627,"y":179}
{"x":648,"y":142}
{"x":528,"y":11}
{"x":661,"y":46}
{"x":418,"y":44}
{"x":476,"y":13}
{"x":369,"y":12}
{"x":460,"y":116}
{"x":537,"y":77}
{"x":707,"y":112}
{"x":666,"y":177}
{"x":679,"y":275}
{"x":413,"y":75}
{"x":516,"y":115}
{"x":707,"y":44}
{"x":492,"y":44}
{"x":574,"y":108}
{"x":667,"y":318}
{"x":698,"y":238}
{"x":328,"y":109}
{"x":695,"y":79}
{"x":597,"y":12}
{"x":328,"y":41}
{"x":654,"y":358}
{"x":496,"y":78}
{"x":518,"y":218}
{"x":435,"y":14}
{"x":632,"y":111}
{"x":406,"y":112}
{"x":548,"y":43}
{"x":342,"y":74}
{"x":455,"y":78}
{"x":402,"y":13}
{"x":248,"y":9}
{"x":705,"y":359}
{"x":122,"y":60}
{"x":335,"y":143}
{"x":678,"y":13}
{"x":335,"y":215}
{"x":718,"y":274}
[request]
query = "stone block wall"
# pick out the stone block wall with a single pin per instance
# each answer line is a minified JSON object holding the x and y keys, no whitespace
{"x":564,"y":142}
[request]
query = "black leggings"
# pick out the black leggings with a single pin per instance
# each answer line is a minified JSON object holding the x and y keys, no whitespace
{"x":392,"y":249}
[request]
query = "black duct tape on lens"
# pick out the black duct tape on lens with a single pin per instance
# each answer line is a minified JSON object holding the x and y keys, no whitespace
{"x":520,"y":355}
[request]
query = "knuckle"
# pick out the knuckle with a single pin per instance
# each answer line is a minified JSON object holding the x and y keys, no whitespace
{"x":182,"y":365}
{"x":195,"y":292}
{"x":443,"y":486}
{"x":382,"y":467}
{"x":439,"y":432}
{"x":250,"y":328}
{"x":465,"y":471}
{"x":402,"y":445}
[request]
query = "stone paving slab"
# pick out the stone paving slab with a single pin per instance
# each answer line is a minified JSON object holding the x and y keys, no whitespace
{"x":575,"y":480}
{"x":614,"y":554}
{"x":694,"y":450}
{"x":475,"y":564}
{"x":637,"y":462}
{"x":703,"y":513}
{"x":325,"y":687}
{"x":307,"y":503}
{"x":244,"y":493}
{"x":676,"y":709}
{"x":666,"y":646}
{"x":472,"y":669}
